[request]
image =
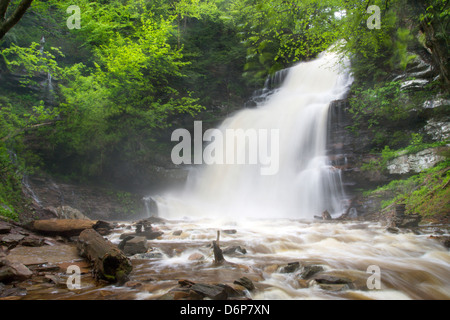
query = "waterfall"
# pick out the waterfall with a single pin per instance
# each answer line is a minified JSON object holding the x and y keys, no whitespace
{"x":306,"y":184}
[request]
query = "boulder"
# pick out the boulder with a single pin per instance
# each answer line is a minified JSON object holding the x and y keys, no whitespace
{"x":135,"y":245}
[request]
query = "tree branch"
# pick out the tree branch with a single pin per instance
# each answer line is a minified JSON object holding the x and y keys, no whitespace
{"x":3,"y":7}
{"x":11,"y":21}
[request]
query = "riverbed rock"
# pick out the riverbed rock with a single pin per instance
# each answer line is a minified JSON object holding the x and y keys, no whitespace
{"x":214,"y":292}
{"x":232,"y":250}
{"x":290,"y":267}
{"x":135,"y":245}
{"x":246,"y":283}
{"x":354,"y":279}
{"x":13,"y":271}
{"x":196,"y":256}
{"x":309,"y":270}
{"x":444,"y":240}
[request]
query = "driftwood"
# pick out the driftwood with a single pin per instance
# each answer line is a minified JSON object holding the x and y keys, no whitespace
{"x":108,"y":261}
{"x":61,"y":227}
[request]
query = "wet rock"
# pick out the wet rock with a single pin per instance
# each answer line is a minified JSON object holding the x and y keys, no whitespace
{"x":333,"y":287}
{"x":12,"y":292}
{"x":324,"y":216}
{"x":211,"y":291}
{"x":133,"y":284}
{"x":185,"y":283}
{"x":393,"y":230}
{"x":181,"y":293}
{"x":56,"y":280}
{"x":310,"y":270}
{"x":13,"y":271}
{"x":229,"y":231}
{"x":246,"y":283}
{"x":196,"y":256}
{"x":444,"y":240}
{"x":103,"y":227}
{"x":354,"y":279}
{"x":177,"y":232}
{"x":150,"y":234}
{"x":234,"y":250}
{"x":135,"y":245}
{"x":331,"y":279}
{"x":290,"y":267}
{"x":148,"y":255}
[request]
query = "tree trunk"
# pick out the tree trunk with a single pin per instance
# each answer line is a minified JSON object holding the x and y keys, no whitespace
{"x":61,"y":227}
{"x":108,"y":261}
{"x":7,"y":23}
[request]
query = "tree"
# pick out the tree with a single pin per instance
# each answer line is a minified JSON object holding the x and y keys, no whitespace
{"x":7,"y":23}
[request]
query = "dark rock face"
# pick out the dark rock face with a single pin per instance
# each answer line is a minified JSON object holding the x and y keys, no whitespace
{"x":52,"y":199}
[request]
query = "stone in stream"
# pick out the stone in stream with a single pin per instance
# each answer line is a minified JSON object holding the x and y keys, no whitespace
{"x":211,"y":291}
{"x":234,"y":250}
{"x":177,"y":232}
{"x":135,"y":245}
{"x":309,"y":270}
{"x":246,"y":283}
{"x":290,"y":267}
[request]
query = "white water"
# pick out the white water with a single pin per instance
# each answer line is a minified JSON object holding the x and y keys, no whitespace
{"x":305,"y":184}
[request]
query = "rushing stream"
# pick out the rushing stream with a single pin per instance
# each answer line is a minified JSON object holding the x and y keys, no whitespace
{"x":411,"y":266}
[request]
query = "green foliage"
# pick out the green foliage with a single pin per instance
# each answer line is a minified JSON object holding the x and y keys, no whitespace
{"x":426,"y":193}
{"x":277,"y":33}
{"x":384,"y":101}
{"x":31,"y":61}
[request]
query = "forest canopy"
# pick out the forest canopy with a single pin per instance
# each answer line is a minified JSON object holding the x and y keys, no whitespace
{"x":83,"y":102}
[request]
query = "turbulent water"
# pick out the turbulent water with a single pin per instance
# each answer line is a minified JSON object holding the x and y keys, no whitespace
{"x":411,"y":266}
{"x":305,"y":184}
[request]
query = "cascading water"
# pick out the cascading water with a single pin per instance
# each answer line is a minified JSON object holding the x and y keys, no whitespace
{"x":305,"y":184}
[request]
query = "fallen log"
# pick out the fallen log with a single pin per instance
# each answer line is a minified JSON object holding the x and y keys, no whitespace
{"x":109,"y":263}
{"x":61,"y":227}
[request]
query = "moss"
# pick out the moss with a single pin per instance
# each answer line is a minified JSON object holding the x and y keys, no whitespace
{"x":426,"y":193}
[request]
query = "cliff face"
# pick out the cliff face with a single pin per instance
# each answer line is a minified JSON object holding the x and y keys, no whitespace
{"x":352,"y":151}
